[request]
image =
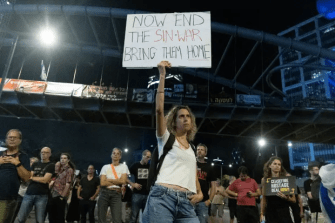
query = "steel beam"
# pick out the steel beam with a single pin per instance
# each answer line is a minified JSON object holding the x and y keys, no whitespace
{"x":297,"y":130}
{"x":254,"y":123}
{"x":223,"y":55}
{"x":318,"y":133}
{"x":6,"y":110}
{"x":94,"y":31}
{"x":229,"y":120}
{"x":245,"y":61}
{"x":72,"y":29}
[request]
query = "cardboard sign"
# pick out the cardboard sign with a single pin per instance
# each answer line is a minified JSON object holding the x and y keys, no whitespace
{"x":286,"y":185}
{"x":184,"y":39}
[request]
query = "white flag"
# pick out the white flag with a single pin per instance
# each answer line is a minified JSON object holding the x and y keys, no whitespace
{"x":43,"y":74}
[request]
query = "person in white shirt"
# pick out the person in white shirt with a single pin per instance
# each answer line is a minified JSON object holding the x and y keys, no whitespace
{"x":177,"y":188}
{"x":112,"y":176}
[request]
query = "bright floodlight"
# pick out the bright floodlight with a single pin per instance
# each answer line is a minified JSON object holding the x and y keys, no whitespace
{"x":230,"y":165}
{"x":126,"y":150}
{"x":212,"y":164}
{"x":289,"y":144}
{"x":261,"y":142}
{"x":48,"y":37}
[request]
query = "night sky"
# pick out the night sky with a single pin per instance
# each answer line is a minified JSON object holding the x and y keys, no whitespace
{"x":92,"y":143}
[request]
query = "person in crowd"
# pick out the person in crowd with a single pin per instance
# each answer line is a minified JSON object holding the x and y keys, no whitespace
{"x":207,"y":180}
{"x":245,"y":189}
{"x":327,"y":195}
{"x":232,"y":202}
{"x":87,"y":193}
{"x":297,"y":207}
{"x":176,"y":188}
{"x":140,"y":170}
{"x":218,"y":203}
{"x":275,"y":208}
{"x":73,"y":211}
{"x":112,"y":176}
{"x":23,"y":189}
{"x":14,"y":167}
{"x":60,"y":188}
{"x":312,"y":189}
{"x":38,"y":190}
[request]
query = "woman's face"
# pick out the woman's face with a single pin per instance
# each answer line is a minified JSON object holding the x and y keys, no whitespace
{"x":275,"y":166}
{"x":64,"y":159}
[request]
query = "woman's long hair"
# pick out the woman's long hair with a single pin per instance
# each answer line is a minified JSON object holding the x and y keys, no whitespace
{"x":267,"y":170}
{"x":71,"y":164}
{"x":171,"y":118}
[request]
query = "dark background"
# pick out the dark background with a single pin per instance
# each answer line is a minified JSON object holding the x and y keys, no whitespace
{"x":92,"y":143}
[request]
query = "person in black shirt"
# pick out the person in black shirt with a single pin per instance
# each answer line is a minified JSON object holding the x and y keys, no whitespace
{"x":87,"y":192}
{"x":14,"y":167}
{"x":140,"y":170}
{"x":38,"y":190}
{"x":207,"y":180}
{"x":312,"y":188}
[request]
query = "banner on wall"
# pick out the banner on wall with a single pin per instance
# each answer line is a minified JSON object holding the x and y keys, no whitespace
{"x":62,"y":89}
{"x":10,"y":84}
{"x":245,"y":99}
{"x":184,"y":39}
{"x":31,"y":87}
{"x":104,"y":93}
{"x":143,"y":95}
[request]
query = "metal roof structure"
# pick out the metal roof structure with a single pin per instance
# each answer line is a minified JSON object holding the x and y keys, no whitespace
{"x":94,"y":35}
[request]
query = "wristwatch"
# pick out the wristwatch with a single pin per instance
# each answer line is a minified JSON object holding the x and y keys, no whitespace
{"x":18,"y":165}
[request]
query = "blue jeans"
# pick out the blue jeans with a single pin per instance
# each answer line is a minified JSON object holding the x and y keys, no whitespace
{"x":40,"y":202}
{"x":168,"y":205}
{"x":137,"y":202}
{"x":202,"y":212}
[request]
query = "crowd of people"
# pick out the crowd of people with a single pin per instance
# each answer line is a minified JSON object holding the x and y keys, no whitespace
{"x":178,"y":185}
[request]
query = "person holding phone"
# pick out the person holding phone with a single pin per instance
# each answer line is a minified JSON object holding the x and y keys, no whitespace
{"x":245,"y":189}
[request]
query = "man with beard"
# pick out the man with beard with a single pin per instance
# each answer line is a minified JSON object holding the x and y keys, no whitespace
{"x":207,"y":180}
{"x":14,"y":167}
{"x":245,"y":189}
{"x":312,"y":189}
{"x":140,"y":170}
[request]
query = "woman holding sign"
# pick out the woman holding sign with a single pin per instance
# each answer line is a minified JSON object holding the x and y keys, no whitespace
{"x":176,"y":189}
{"x":275,"y":209}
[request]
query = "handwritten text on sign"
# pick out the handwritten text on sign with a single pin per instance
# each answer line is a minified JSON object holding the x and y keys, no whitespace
{"x":184,"y":39}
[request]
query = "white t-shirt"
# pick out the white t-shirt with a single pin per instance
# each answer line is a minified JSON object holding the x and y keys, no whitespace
{"x":179,"y":166}
{"x":119,"y":169}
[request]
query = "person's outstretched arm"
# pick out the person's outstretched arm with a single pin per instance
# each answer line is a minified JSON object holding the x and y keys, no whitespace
{"x":160,"y":121}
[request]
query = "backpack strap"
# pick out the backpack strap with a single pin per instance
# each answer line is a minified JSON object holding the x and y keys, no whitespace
{"x":156,"y":161}
{"x":167,"y":147}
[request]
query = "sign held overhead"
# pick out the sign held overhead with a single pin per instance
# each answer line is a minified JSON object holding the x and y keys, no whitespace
{"x":184,"y":39}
